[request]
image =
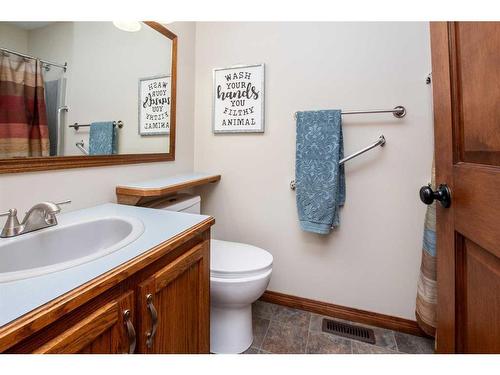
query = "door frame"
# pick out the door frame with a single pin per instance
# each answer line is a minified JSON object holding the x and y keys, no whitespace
{"x":444,"y":120}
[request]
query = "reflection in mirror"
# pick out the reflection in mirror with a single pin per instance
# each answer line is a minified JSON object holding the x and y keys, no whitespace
{"x":83,"y":88}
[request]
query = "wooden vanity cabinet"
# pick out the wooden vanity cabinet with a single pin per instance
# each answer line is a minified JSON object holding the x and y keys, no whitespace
{"x":158,"y":302}
{"x":174,"y":306}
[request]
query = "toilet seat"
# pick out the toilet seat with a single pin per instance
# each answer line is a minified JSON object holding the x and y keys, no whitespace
{"x":233,"y":260}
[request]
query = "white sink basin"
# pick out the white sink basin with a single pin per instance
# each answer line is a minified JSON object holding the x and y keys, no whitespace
{"x":63,"y":246}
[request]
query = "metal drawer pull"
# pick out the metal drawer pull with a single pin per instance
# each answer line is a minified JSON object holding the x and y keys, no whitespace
{"x":130,"y":332}
{"x":154,"y":321}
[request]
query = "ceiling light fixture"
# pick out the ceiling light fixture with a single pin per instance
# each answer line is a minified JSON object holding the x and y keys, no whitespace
{"x":130,"y":26}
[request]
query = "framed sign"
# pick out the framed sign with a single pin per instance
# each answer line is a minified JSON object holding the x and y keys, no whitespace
{"x":238,"y":99}
{"x":154,"y":105}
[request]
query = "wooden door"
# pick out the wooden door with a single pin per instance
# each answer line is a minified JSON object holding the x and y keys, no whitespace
{"x":174,"y":306}
{"x":107,"y":330}
{"x":466,"y":86}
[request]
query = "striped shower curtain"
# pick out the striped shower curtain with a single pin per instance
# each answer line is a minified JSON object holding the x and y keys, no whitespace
{"x":427,"y":286}
{"x":23,"y":119}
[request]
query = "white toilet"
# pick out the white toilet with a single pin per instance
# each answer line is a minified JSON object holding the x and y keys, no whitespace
{"x":239,"y":274}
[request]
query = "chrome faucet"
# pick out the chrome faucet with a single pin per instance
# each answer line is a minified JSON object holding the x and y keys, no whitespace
{"x":41,"y":215}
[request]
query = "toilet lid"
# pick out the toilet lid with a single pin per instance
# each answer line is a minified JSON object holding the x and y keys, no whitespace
{"x":233,"y":259}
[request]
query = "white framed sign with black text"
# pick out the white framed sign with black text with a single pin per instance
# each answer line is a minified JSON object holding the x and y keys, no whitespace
{"x":238,"y":99}
{"x":154,"y":105}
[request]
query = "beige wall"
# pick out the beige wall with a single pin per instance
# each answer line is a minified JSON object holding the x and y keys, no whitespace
{"x":91,"y":186}
{"x":14,"y":38}
{"x":372,"y":261}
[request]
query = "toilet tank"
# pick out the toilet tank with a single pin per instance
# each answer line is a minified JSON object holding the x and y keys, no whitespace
{"x":182,"y":203}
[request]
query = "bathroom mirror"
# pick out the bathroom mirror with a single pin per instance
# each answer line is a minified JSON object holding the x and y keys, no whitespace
{"x":76,"y":94}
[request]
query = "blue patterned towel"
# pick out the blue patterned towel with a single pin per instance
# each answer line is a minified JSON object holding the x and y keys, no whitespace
{"x":319,"y":178}
{"x":102,"y":138}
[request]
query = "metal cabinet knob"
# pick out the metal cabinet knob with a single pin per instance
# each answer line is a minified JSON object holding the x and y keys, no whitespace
{"x":442,"y":194}
{"x":130,"y":331}
{"x":154,"y":321}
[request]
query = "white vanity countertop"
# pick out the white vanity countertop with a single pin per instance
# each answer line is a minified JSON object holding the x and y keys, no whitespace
{"x":159,"y":183}
{"x":22,"y":296}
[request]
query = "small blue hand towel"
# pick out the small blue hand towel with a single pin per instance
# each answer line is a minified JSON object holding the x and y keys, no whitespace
{"x":102,"y":138}
{"x":319,"y":178}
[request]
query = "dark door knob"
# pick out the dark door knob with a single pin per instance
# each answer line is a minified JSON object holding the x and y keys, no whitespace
{"x":442,"y":194}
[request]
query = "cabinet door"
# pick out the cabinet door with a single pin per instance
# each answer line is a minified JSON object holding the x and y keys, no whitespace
{"x":107,"y":330}
{"x":174,"y":305}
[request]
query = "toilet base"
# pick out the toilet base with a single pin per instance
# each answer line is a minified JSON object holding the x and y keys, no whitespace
{"x":230,"y":329}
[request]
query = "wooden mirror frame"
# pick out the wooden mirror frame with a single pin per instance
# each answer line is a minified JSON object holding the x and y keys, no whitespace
{"x":31,"y":164}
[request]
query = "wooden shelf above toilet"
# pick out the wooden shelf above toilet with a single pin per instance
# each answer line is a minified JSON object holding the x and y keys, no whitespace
{"x":139,"y":193}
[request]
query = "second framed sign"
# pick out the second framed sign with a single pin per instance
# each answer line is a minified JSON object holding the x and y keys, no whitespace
{"x":154,"y":105}
{"x":238,"y":99}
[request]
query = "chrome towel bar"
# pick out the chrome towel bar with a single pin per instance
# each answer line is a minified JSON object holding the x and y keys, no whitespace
{"x":380,"y":142}
{"x":76,"y":125}
{"x":81,"y":146}
{"x":398,"y":112}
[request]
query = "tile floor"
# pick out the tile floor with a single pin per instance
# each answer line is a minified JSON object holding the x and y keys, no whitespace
{"x":283,"y":330}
